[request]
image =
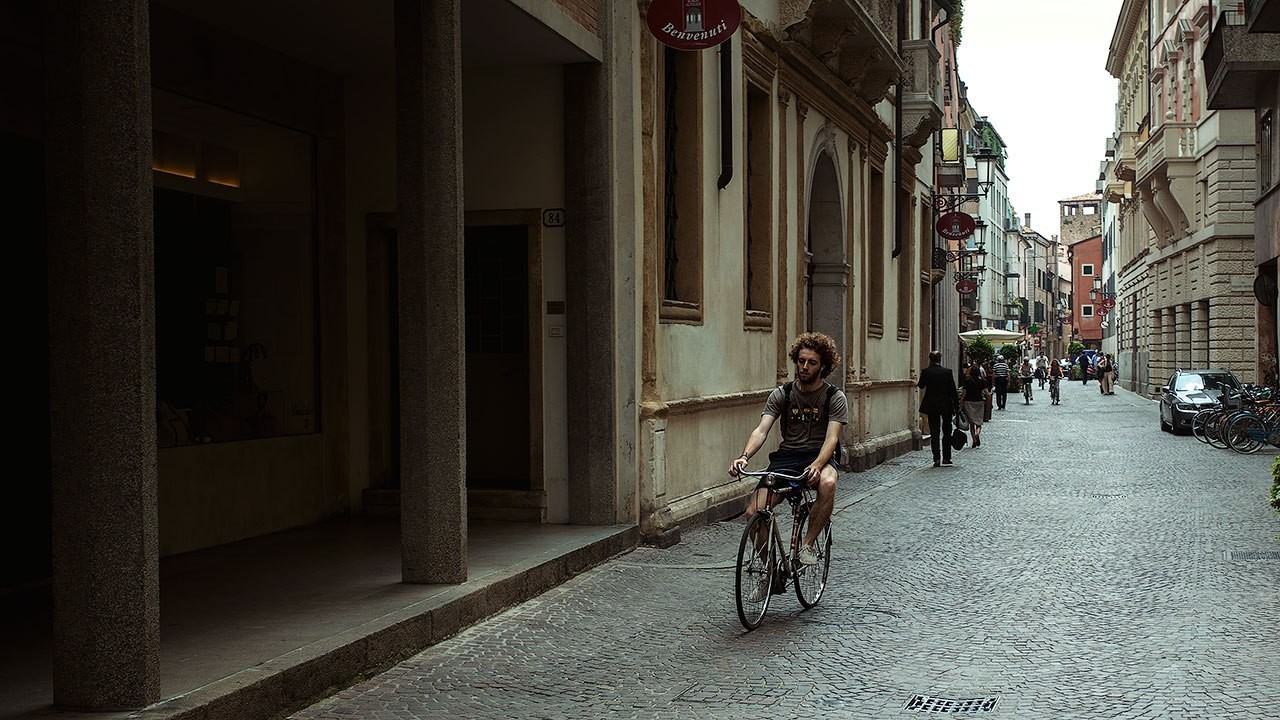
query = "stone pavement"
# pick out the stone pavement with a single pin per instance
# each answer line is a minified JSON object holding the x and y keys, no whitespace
{"x":1080,"y":564}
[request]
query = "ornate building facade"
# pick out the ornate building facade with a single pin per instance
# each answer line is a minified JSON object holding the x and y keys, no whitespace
{"x":1184,"y":238}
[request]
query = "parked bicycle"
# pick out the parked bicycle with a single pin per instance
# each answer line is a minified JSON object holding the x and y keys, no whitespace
{"x":765,"y":565}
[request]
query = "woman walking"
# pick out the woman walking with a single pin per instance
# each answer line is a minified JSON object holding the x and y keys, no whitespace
{"x":976,"y":393}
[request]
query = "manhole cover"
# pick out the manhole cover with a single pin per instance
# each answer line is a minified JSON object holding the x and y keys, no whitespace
{"x":1263,"y":555}
{"x":969,"y":706}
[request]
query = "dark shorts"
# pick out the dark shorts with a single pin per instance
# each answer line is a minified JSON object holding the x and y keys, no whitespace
{"x":792,"y":462}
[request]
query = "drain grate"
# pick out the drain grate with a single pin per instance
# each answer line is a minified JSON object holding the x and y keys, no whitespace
{"x":1263,"y":555}
{"x":931,"y":704}
{"x":1107,"y":496}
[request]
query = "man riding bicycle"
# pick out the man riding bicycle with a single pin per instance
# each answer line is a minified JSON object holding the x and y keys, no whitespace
{"x":812,"y":413}
{"x":1042,"y":369}
{"x":1024,"y":374}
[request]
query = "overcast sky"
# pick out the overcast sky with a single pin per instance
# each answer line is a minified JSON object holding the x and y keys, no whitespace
{"x":1037,"y":70}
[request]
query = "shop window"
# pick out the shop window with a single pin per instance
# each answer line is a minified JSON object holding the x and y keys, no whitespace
{"x":906,"y":284}
{"x":875,"y":249}
{"x":759,"y":212}
{"x":235,"y":276}
{"x":682,"y":187}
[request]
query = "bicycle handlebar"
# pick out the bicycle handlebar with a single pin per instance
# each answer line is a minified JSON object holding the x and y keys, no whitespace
{"x":769,"y":475}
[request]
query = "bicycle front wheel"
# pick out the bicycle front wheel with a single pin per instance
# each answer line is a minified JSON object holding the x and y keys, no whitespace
{"x":811,"y":580}
{"x":755,"y":570}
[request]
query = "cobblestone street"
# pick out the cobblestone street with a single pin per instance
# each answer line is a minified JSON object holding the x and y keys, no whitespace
{"x":1080,"y":564}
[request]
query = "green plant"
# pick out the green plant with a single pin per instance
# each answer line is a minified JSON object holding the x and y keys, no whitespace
{"x":1075,"y":373}
{"x":980,"y":350}
{"x":957,"y":22}
{"x":1075,"y":348}
{"x":1011,"y":354}
{"x":1275,"y":484}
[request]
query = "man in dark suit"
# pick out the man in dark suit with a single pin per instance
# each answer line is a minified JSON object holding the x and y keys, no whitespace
{"x":941,"y":401}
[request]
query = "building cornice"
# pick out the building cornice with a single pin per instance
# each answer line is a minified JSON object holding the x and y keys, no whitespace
{"x":1126,"y":25}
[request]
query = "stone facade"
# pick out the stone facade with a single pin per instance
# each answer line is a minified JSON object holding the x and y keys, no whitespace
{"x":1182,"y":181}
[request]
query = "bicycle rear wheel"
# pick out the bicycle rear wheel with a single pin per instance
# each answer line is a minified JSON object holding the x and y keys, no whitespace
{"x":755,"y":570}
{"x":811,"y":580}
{"x":1245,"y":433}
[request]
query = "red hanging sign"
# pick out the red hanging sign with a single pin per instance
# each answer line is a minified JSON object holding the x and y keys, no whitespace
{"x":1108,"y":303}
{"x":693,"y":24}
{"x":966,"y":287}
{"x":955,"y":226}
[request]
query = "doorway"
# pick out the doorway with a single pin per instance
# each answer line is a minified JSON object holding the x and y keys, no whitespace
{"x":828,"y":271}
{"x":503,"y":341}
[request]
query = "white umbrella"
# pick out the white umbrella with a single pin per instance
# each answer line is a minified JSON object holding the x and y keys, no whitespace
{"x":995,"y":335}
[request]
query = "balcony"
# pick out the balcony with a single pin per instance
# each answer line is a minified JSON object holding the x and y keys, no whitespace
{"x":1238,"y":63}
{"x":1264,"y":16}
{"x":1166,"y":171}
{"x":851,"y":39}
{"x":921,"y":113}
{"x":1126,"y":154}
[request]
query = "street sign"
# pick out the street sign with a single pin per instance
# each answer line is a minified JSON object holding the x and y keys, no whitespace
{"x":693,"y":24}
{"x":1103,"y":310}
{"x":966,"y":287}
{"x":1108,"y":303}
{"x":955,"y":226}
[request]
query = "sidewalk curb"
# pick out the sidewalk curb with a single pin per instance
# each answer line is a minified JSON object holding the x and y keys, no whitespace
{"x":306,"y":675}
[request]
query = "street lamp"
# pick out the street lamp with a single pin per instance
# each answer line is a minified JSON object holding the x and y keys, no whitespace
{"x":984,"y":161}
{"x":1097,"y":294}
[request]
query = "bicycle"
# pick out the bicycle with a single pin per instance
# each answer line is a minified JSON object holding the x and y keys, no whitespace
{"x":761,"y":573}
{"x":1055,"y":390}
{"x":1026,"y":390}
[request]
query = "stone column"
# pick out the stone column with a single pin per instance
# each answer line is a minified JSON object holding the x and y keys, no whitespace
{"x":433,"y":467}
{"x":1200,"y":333}
{"x":1159,"y":371}
{"x":106,"y":645}
{"x":590,"y":265}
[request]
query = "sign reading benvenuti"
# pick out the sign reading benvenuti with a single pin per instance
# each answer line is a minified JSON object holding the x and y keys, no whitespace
{"x":693,"y":24}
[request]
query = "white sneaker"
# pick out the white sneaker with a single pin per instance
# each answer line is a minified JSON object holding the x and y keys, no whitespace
{"x":761,"y":590}
{"x":808,"y":556}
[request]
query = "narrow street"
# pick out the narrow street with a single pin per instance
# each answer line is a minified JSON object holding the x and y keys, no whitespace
{"x":1080,"y":564}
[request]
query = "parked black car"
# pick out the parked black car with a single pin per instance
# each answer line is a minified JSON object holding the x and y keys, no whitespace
{"x":1190,"y":391}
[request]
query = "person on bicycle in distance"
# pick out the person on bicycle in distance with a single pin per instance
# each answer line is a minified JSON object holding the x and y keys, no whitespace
{"x":1042,"y":368}
{"x":812,"y":413}
{"x":1055,"y":382}
{"x":1024,"y":374}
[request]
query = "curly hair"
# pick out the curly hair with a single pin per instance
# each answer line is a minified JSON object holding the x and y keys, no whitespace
{"x":824,"y":346}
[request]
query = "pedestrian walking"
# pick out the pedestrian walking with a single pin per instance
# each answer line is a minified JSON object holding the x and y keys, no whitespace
{"x":941,"y":401}
{"x":1055,"y":383}
{"x":1000,"y":373}
{"x":976,"y":396}
{"x":1085,"y":368}
{"x":1107,"y":374}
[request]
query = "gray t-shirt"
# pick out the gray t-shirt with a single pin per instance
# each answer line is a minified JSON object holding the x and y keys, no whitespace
{"x":806,"y":428}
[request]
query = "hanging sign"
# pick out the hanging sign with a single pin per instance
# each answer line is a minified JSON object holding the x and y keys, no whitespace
{"x":1108,"y":303}
{"x":1103,"y":310}
{"x":955,"y":225}
{"x":693,"y":24}
{"x":966,"y":287}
